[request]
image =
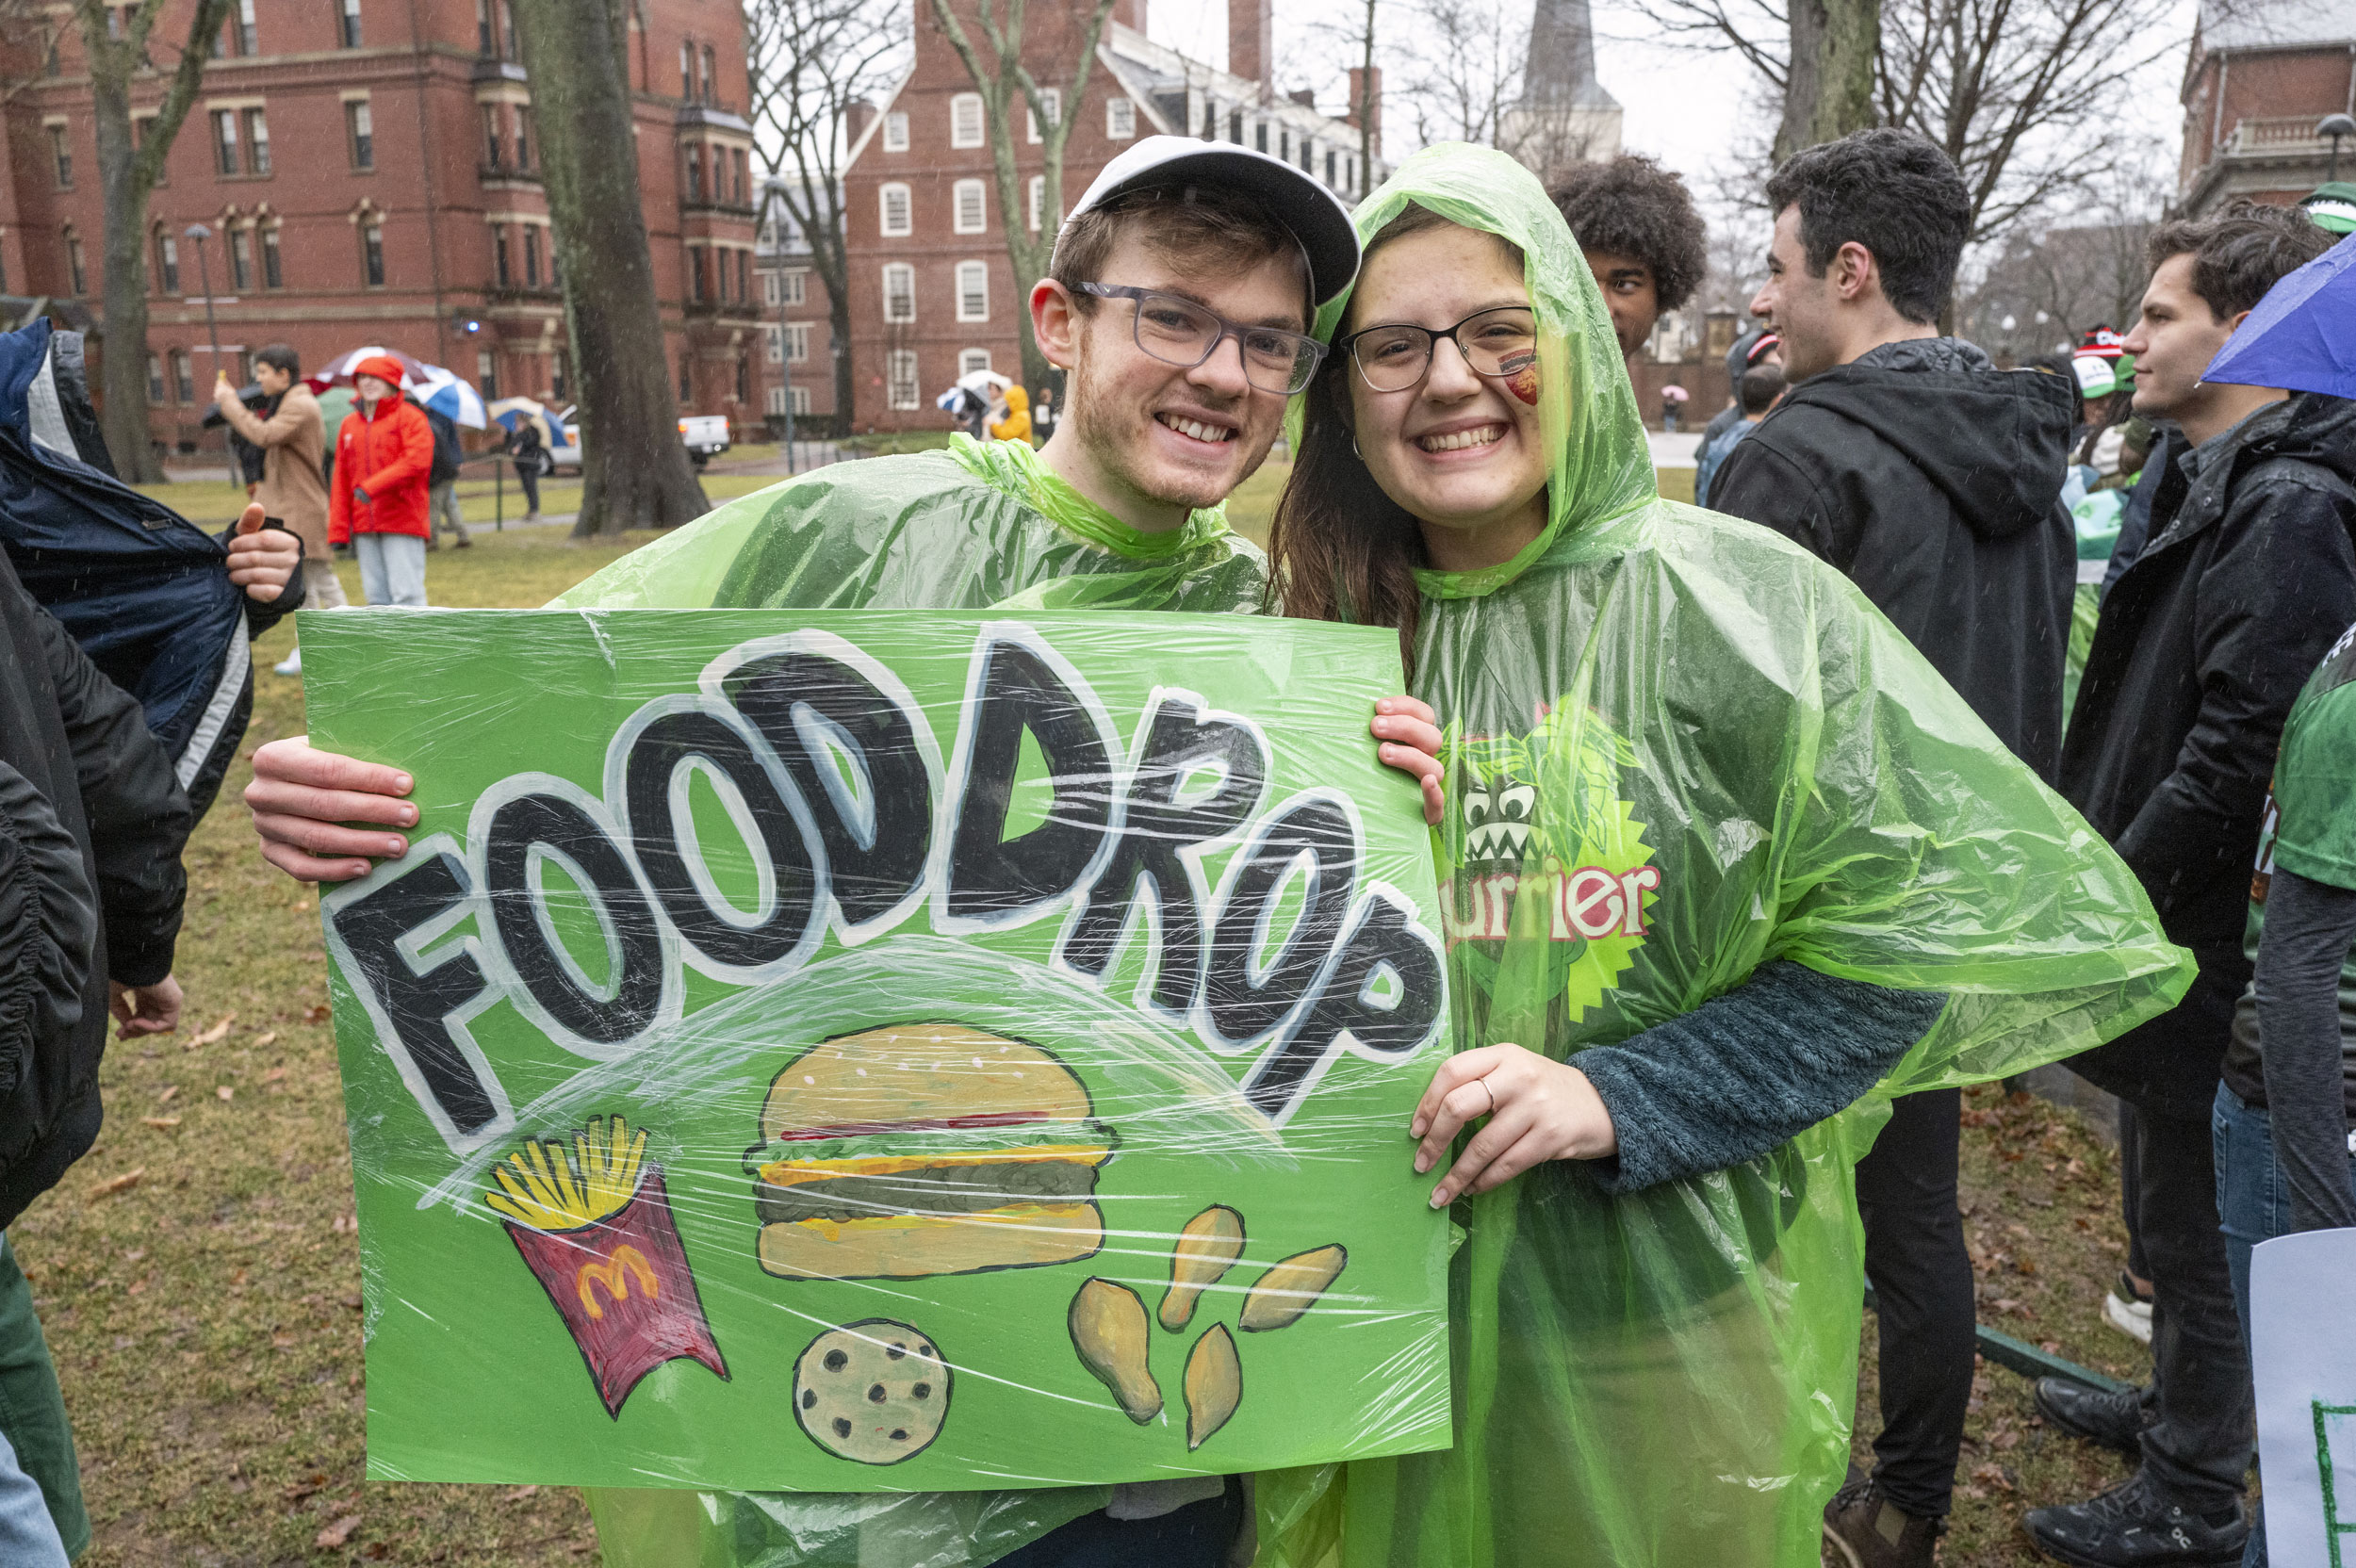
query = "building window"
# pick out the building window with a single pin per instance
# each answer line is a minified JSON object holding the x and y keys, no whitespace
{"x":773,"y":402}
{"x":498,"y":255}
{"x":243,"y":39}
{"x":494,"y":138}
{"x":799,"y":397}
{"x":61,"y":156}
{"x":965,"y":120}
{"x":242,"y":259}
{"x":348,"y":21}
{"x":507,"y":19}
{"x":484,"y":44}
{"x":973,"y":291}
{"x":531,"y":255}
{"x":793,"y":289}
{"x":711,"y":76}
{"x":774,"y":339}
{"x":971,"y":211}
{"x":1120,"y":119}
{"x":1329,"y":165}
{"x":560,"y":367}
{"x":360,"y":131}
{"x":1038,"y":198}
{"x":155,"y":379}
{"x":698,"y":284}
{"x":737,"y":168}
{"x":797,"y":342}
{"x":168,"y":261}
{"x":694,"y":171}
{"x":686,"y":71}
{"x":273,"y":266}
{"x":74,"y":264}
{"x":686,"y":380}
{"x":743,"y":277}
{"x":486,"y":374}
{"x":744,"y":379}
{"x":523,"y":136}
{"x":972,"y":362}
{"x":256,"y":142}
{"x":900,"y":375}
{"x":224,"y":141}
{"x":1260,"y":136}
{"x":769,"y":291}
{"x":896,"y":131}
{"x":896,"y":222}
{"x":1285,"y":145}
{"x":1052,"y":98}
{"x":183,"y":376}
{"x":372,"y":253}
{"x":899,"y":292}
{"x":1234,"y":126}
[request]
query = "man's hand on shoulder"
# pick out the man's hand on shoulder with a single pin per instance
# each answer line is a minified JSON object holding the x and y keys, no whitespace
{"x":303,"y":799}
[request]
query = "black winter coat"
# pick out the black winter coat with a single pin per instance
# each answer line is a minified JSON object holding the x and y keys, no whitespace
{"x":1934,"y":481}
{"x":2205,"y":640}
{"x":91,"y":824}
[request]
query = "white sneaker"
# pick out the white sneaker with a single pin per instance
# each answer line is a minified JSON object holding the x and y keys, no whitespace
{"x":291,"y":664}
{"x":2128,"y":1316}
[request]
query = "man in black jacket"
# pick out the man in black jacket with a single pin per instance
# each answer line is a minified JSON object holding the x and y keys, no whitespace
{"x":2205,"y":643}
{"x":1932,"y":480}
{"x":91,"y":824}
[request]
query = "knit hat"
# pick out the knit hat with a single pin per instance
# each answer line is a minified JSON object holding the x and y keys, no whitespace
{"x":385,"y":367}
{"x":2103,"y":343}
{"x":2333,"y":206}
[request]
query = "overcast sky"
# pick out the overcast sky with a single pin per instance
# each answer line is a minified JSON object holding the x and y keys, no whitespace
{"x":1682,"y":106}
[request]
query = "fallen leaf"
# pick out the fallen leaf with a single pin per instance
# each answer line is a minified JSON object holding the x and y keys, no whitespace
{"x":301,"y":1490}
{"x":239,"y":1278}
{"x":265,"y":1037}
{"x":161,"y":1122}
{"x":285,"y":1342}
{"x":168,"y":1093}
{"x":225,"y":1092}
{"x":274,"y":1074}
{"x":113,"y":1185}
{"x":338,"y":1533}
{"x":516,"y":1494}
{"x":217,"y":1031}
{"x":318,"y":1014}
{"x":135,"y":1254}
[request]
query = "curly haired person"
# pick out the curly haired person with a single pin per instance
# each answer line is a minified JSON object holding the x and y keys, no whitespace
{"x":1644,"y":242}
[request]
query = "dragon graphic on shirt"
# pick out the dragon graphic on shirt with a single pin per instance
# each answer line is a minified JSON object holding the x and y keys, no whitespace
{"x":1539,"y":844}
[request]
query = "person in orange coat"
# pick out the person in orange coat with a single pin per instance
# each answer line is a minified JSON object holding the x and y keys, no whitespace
{"x":377,"y":503}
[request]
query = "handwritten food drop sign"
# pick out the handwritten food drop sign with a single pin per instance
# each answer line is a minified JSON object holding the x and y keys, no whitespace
{"x":873,"y":1051}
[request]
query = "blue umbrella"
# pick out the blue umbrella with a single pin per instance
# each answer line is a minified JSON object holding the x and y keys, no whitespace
{"x":2302,"y":336}
{"x":449,"y":397}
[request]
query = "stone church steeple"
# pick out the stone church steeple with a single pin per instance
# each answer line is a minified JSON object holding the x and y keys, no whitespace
{"x":1564,"y":114}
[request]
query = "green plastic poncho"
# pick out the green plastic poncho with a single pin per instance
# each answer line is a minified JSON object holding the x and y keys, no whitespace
{"x":974,"y":527}
{"x":1679,"y":747}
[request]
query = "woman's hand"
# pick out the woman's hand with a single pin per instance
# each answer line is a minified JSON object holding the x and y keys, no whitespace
{"x":262,"y":561}
{"x":302,"y":799}
{"x":1538,"y":1110}
{"x":1410,"y":735}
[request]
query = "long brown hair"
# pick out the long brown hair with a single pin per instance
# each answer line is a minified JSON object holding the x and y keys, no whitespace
{"x":1339,"y":550}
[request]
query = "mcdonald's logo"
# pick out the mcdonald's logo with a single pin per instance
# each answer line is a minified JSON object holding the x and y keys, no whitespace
{"x":609,"y":1272}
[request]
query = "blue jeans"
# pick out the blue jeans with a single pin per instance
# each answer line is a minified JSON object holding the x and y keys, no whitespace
{"x":392,"y":567}
{"x":2253,"y":1204}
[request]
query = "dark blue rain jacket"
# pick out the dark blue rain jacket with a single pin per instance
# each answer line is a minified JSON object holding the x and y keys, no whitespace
{"x":145,"y":592}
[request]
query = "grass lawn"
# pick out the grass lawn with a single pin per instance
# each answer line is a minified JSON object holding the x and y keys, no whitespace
{"x":216,"y":501}
{"x":205,"y":1318}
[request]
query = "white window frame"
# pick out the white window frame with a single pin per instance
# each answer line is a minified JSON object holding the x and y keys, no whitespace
{"x":800,"y":399}
{"x":768,"y":288}
{"x":884,"y":202}
{"x":794,"y":286}
{"x":1038,"y":198}
{"x":966,"y":126}
{"x":1052,"y":96}
{"x":773,"y":336}
{"x":773,"y":402}
{"x":969,"y":208}
{"x":895,"y":131}
{"x":797,"y":342}
{"x":1121,"y":119}
{"x":901,"y":388}
{"x":972,"y":362}
{"x":901,"y":274}
{"x":973,"y":284}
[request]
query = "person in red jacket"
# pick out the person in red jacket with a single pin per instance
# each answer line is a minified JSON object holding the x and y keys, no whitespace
{"x":383,"y":453}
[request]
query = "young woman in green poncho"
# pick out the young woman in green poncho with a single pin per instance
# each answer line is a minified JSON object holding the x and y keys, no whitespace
{"x":1725,"y":864}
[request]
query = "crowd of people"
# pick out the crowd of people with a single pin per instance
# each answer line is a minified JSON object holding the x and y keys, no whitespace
{"x":1839,"y":702}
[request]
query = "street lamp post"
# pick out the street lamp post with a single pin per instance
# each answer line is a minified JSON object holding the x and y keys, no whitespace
{"x":200,"y":233}
{"x":2335,"y":126}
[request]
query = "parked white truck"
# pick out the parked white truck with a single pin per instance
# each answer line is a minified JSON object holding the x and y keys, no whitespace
{"x":706,"y":436}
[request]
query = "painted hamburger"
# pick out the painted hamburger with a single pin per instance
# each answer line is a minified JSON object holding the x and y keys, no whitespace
{"x":922,"y":1149}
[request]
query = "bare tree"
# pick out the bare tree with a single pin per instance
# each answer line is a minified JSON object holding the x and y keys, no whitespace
{"x":1818,"y":57}
{"x":2056,"y":284}
{"x":1468,"y":76}
{"x":115,"y":42}
{"x":811,"y":61}
{"x":635,"y":472}
{"x":1007,"y":87}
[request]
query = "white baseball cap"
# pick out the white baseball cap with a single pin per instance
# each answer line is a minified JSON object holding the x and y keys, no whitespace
{"x":1315,"y":216}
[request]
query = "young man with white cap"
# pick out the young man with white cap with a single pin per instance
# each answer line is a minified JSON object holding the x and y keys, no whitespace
{"x":1184,"y":284}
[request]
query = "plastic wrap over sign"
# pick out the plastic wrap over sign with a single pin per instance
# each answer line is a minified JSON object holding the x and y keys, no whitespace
{"x":867,"y":1051}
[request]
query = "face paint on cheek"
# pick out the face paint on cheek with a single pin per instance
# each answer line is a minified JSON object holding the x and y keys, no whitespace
{"x":1522,"y":379}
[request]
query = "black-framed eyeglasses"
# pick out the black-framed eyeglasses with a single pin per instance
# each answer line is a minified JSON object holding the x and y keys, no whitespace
{"x":1497,"y":343}
{"x":1176,"y":331}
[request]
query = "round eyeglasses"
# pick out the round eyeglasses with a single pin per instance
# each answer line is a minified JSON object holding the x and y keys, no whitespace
{"x":1496,"y":344}
{"x":1177,"y":331}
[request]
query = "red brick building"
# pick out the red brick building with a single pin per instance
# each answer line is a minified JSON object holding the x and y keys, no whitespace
{"x":2260,"y":78}
{"x":931,"y":291}
{"x":797,"y":333}
{"x":370,"y":171}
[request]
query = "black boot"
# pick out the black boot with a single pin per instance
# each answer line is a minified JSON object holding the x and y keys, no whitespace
{"x":2134,"y":1526}
{"x":1866,"y":1530}
{"x":2114,"y":1420}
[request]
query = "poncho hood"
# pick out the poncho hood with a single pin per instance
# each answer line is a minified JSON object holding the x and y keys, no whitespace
{"x":1602,"y":473}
